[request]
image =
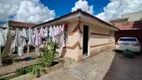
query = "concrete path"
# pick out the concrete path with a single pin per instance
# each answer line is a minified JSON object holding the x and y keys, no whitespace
{"x":125,"y":68}
{"x":93,"y":68}
{"x":104,"y":66}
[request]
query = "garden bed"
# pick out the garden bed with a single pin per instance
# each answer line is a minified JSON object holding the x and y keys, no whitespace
{"x":11,"y":68}
{"x":29,"y":76}
{"x":46,"y":63}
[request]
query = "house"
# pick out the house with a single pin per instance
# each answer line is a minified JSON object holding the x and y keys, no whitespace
{"x":87,"y":35}
{"x":15,"y":24}
{"x":130,"y":25}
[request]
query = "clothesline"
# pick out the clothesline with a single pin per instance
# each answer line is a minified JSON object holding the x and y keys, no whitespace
{"x":34,"y":37}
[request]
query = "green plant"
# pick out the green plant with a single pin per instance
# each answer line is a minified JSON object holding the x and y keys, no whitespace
{"x":29,"y":69}
{"x":48,"y":57}
{"x":52,"y":45}
{"x":36,"y":70}
{"x":21,"y":71}
{"x":25,"y":70}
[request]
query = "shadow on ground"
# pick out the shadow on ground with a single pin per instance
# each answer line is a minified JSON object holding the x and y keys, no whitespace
{"x":123,"y":68}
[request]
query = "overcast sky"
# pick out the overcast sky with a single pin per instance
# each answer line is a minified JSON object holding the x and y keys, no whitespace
{"x":38,"y":11}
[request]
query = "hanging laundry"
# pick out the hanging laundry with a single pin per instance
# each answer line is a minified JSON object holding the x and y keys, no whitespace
{"x":2,"y":43}
{"x":50,"y":34}
{"x":45,"y":32}
{"x":20,"y":41}
{"x":60,"y":36}
{"x":23,"y":37}
{"x":5,"y":31}
{"x":65,"y":26}
{"x":50,"y":31}
{"x":42,"y":32}
{"x":27,"y":32}
{"x":2,"y":38}
{"x":13,"y":45}
{"x":7,"y":46}
{"x":24,"y":34}
{"x":57,"y":35}
{"x":38,"y":38}
{"x":34,"y":36}
{"x":65,"y":33}
{"x":20,"y":50}
{"x":17,"y":38}
{"x":30,"y":37}
{"x":57,"y":30}
{"x":53,"y":33}
{"x":63,"y":36}
{"x":60,"y":29}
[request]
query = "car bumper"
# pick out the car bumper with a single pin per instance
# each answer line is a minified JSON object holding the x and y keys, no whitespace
{"x":134,"y":49}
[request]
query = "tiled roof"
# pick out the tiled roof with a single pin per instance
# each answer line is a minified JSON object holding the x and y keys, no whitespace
{"x":129,"y":25}
{"x":20,"y":24}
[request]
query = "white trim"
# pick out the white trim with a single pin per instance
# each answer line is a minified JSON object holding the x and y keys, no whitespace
{"x":63,"y":20}
{"x":89,"y":41}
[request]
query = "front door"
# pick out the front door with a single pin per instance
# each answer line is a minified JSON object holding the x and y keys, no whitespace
{"x":85,"y":39}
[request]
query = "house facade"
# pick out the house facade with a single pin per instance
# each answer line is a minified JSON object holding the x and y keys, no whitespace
{"x":86,"y":35}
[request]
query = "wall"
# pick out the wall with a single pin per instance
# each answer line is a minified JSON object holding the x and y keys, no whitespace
{"x":100,"y":39}
{"x":72,"y":48}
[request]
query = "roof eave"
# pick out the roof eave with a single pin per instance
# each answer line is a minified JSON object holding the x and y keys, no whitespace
{"x":57,"y":19}
{"x":75,"y":12}
{"x":99,"y":20}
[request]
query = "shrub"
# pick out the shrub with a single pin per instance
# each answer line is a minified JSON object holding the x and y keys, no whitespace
{"x":36,"y":70}
{"x":48,"y":57}
{"x":21,"y":71}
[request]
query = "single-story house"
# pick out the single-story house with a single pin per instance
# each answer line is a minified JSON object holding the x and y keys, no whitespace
{"x":87,"y":35}
{"x":15,"y":24}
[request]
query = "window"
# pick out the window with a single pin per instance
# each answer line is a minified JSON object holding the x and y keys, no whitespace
{"x":128,"y":39}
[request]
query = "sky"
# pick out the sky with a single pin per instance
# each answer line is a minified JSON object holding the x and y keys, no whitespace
{"x":39,"y":11}
{"x":62,"y":7}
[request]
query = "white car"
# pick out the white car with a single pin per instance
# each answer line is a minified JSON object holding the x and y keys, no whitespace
{"x":130,"y":43}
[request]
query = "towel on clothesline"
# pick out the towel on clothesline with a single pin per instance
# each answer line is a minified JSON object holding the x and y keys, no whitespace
{"x":30,"y":37}
{"x":45,"y":32}
{"x":2,"y":38}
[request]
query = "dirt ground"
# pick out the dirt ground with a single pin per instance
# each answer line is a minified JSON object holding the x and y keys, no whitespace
{"x":108,"y":65}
